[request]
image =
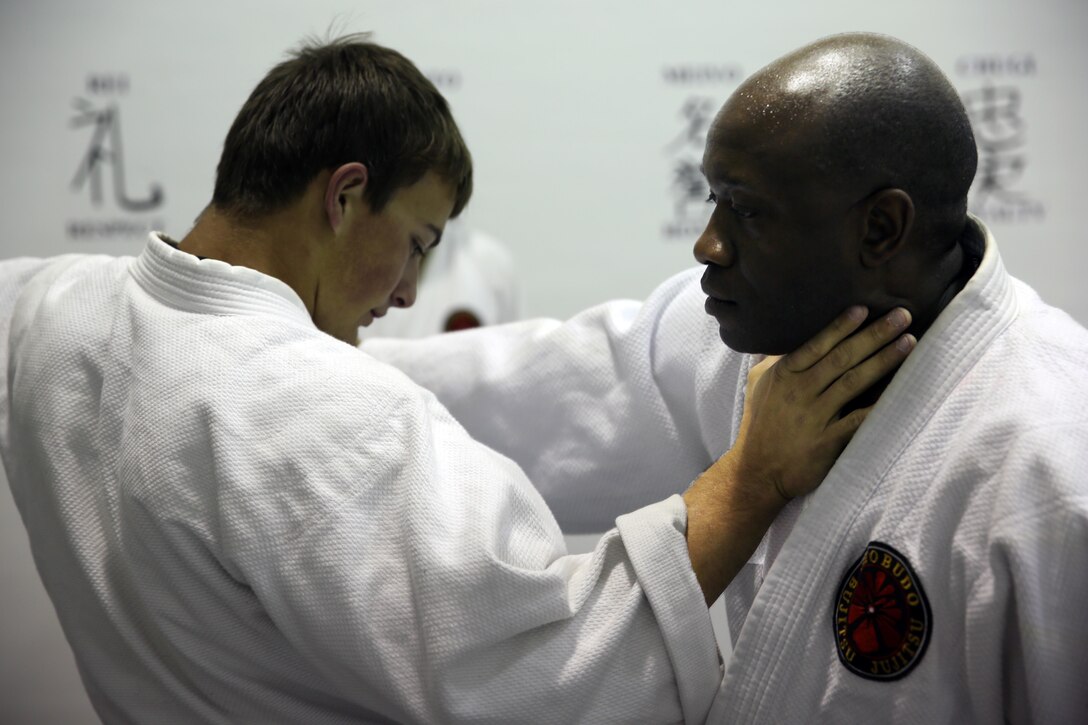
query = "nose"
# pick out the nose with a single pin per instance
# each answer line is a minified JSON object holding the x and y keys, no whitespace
{"x":712,"y":247}
{"x":404,"y":294}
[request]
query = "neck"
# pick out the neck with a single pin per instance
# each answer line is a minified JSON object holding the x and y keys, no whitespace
{"x":949,"y":275}
{"x":274,"y":245}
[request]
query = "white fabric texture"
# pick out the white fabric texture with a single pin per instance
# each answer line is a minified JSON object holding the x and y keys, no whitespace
{"x":577,"y":403}
{"x":240,"y":519}
{"x":469,"y":271}
{"x":973,"y":466}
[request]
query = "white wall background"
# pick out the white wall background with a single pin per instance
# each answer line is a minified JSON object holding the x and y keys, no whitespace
{"x":578,"y":114}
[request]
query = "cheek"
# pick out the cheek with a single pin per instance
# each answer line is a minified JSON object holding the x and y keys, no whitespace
{"x":798,"y":290}
{"x":383,"y":285}
{"x":819,"y":296}
{"x":370,"y":280}
{"x":387,"y":264}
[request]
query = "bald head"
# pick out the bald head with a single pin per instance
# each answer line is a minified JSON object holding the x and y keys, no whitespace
{"x":869,"y":111}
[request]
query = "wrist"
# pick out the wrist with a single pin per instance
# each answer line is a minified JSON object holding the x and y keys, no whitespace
{"x":748,"y":488}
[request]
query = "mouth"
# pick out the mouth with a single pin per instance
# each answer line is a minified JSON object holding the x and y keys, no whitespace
{"x":369,"y":317}
{"x":719,"y":308}
{"x":716,"y":305}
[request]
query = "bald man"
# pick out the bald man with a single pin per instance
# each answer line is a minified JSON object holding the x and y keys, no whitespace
{"x":938,"y":574}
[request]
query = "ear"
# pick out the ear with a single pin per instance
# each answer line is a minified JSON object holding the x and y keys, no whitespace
{"x":345,"y":186}
{"x":889,"y":218}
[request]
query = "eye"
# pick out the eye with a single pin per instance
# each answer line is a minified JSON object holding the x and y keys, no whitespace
{"x":738,"y":211}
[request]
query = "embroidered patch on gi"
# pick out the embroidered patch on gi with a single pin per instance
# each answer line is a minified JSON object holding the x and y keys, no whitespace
{"x":882,"y":619}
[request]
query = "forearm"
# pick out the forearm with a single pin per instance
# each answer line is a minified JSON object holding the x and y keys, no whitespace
{"x":726,"y":521}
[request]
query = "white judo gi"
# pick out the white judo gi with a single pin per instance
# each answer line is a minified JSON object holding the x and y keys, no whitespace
{"x":241,"y":519}
{"x":939,"y":574}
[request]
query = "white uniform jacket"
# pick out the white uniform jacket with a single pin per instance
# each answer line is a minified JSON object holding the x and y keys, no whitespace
{"x":240,"y":519}
{"x":939,"y":574}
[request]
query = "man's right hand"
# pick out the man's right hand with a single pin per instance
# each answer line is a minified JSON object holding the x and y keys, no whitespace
{"x":790,"y":435}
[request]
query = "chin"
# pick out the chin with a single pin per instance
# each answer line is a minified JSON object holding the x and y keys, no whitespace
{"x":752,"y":345}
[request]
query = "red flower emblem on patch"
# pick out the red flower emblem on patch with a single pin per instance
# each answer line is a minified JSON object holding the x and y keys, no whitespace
{"x":875,"y":614}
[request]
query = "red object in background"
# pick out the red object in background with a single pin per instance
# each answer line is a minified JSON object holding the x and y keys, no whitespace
{"x":461,"y":320}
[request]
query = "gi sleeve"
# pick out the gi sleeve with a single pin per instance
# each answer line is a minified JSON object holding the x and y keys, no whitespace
{"x":620,"y":406}
{"x":436,"y":586}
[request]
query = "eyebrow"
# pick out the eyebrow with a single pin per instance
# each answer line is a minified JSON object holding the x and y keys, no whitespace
{"x":728,"y":181}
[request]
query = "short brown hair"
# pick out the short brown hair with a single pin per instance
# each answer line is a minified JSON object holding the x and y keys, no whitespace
{"x":334,"y":103}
